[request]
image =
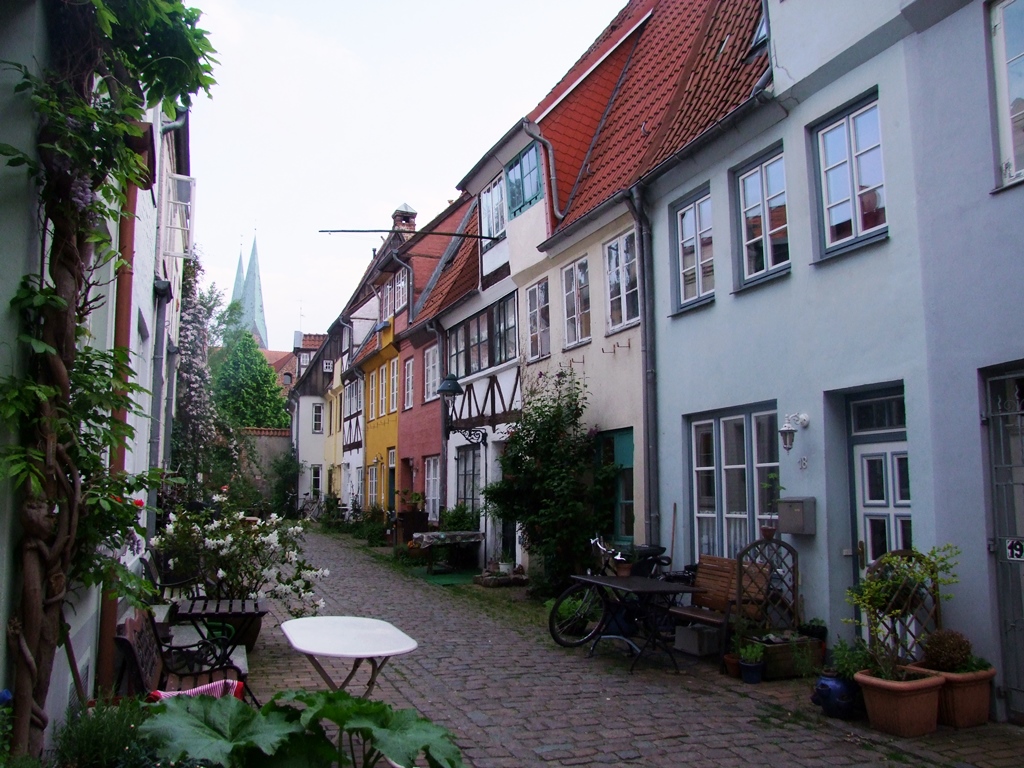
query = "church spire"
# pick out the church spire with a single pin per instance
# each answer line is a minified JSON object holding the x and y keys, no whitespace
{"x":236,"y":294}
{"x":253,"y":317}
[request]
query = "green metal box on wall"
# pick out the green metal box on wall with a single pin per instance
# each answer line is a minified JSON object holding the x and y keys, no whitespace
{"x":797,"y":515}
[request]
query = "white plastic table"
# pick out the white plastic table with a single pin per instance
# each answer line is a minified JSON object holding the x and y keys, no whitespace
{"x":347,"y":637}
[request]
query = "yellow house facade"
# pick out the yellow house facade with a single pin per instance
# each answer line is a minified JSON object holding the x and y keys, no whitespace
{"x":380,"y":365}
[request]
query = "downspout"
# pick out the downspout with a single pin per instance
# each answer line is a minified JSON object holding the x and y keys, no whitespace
{"x":442,"y":490}
{"x":162,"y":292}
{"x":528,"y":129}
{"x":652,"y":504}
{"x":173,"y":356}
{"x":122,"y":340}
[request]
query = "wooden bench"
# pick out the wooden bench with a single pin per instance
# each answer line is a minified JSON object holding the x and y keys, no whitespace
{"x":149,"y":665}
{"x":716,"y":576}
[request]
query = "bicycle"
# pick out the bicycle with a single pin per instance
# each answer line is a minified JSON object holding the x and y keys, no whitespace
{"x":312,"y":507}
{"x":579,"y":613}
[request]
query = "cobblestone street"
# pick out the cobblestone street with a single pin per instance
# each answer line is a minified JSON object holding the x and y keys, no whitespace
{"x":513,"y":698}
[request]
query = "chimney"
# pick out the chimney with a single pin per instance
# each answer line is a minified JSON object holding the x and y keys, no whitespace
{"x":404,"y":218}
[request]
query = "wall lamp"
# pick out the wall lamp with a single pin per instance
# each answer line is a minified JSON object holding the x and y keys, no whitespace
{"x":788,"y":429}
{"x":449,"y":390}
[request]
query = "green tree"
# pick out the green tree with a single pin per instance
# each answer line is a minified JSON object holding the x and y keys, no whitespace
{"x":245,"y":388}
{"x":552,"y":487}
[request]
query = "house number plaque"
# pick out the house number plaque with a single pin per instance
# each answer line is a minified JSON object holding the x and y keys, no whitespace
{"x":1015,"y":550}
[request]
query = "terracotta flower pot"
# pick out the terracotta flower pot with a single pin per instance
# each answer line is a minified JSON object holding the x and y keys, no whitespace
{"x":732,"y":664}
{"x":903,"y":708}
{"x":623,"y":569}
{"x":965,"y":698}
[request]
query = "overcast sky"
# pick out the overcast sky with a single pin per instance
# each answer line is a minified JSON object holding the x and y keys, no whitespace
{"x":330,"y":114}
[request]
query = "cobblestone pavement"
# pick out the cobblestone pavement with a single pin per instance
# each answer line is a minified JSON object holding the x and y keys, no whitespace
{"x":515,"y":699}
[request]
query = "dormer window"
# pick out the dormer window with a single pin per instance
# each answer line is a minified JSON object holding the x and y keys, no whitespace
{"x":401,"y":289}
{"x":760,"y":34}
{"x":523,"y":179}
{"x":387,"y":300}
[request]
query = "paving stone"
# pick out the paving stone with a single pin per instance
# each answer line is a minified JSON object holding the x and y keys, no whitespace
{"x":512,"y":698}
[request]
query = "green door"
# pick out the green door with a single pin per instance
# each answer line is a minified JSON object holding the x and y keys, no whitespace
{"x":617,"y":449}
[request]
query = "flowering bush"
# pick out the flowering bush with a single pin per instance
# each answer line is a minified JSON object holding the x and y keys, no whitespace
{"x":241,"y":558}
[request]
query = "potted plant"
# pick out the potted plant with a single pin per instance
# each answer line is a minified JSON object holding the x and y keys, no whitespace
{"x":814,"y":628}
{"x":836,"y":691}
{"x":751,"y":662}
{"x":964,"y":700}
{"x":901,"y":701}
{"x":507,"y":561}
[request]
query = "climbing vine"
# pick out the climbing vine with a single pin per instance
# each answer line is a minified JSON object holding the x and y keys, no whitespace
{"x":108,"y":58}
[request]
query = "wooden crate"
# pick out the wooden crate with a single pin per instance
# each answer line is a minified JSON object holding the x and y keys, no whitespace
{"x":781,"y":659}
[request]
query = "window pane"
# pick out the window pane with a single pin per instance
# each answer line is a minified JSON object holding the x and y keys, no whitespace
{"x":869,"y":169}
{"x":686,"y":224}
{"x":775,"y":177}
{"x":840,"y":222}
{"x":776,"y":213}
{"x":736,"y":491}
{"x":689,"y":284}
{"x":734,"y":450}
{"x":689,"y":254}
{"x":872,"y":207}
{"x":704,"y":445}
{"x":902,"y":468}
{"x":837,"y":182}
{"x":755,"y":257}
{"x":833,"y":143}
{"x":1013,"y":22}
{"x":906,"y":539}
{"x":752,"y":188}
{"x":874,"y":479}
{"x":878,"y":537}
{"x":865,"y":130}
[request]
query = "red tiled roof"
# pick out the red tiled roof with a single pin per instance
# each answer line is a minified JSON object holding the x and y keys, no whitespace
{"x":371,"y":346}
{"x":424,"y":251}
{"x":313,"y":340}
{"x":681,"y":78}
{"x":460,"y":276}
{"x":276,"y":358}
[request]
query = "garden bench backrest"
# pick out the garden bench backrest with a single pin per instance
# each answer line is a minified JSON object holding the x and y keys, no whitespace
{"x":717,"y":577}
{"x":142,"y":653}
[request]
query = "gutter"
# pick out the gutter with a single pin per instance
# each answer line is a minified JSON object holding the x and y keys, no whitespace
{"x":652,"y":492}
{"x":162,"y":292}
{"x":592,"y":215}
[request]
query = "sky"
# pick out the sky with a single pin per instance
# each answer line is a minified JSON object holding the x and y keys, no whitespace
{"x":330,"y":114}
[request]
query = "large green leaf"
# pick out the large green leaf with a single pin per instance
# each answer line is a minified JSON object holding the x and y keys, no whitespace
{"x":218,"y":730}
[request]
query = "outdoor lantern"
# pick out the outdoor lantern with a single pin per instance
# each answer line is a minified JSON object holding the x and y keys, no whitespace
{"x":449,"y":390}
{"x":788,"y":429}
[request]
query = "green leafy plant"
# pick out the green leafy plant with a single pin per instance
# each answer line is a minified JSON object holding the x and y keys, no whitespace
{"x":890,"y":596}
{"x":849,"y":658}
{"x":226,"y":732}
{"x":947,"y":650}
{"x":458,"y":518}
{"x":553,"y":488}
{"x":752,"y":653}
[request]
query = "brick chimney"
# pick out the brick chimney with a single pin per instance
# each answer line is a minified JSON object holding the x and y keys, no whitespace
{"x":404,"y":218}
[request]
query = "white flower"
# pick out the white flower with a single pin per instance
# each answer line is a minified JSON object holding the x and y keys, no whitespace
{"x":220,"y":573}
{"x":169,"y":529}
{"x":170,"y":564}
{"x":291,"y":557}
{"x":171,"y":518}
{"x":155,"y":541}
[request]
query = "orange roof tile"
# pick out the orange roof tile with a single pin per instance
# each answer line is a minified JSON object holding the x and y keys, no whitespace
{"x":459,"y":276}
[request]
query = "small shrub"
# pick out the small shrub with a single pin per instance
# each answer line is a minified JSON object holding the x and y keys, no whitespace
{"x":459,"y":518}
{"x":947,"y":650}
{"x":752,"y":653}
{"x":848,"y":659}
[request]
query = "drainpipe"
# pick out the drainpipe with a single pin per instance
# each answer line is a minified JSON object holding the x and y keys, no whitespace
{"x":173,"y":357}
{"x":652,"y":518}
{"x":534,"y":133}
{"x":122,"y":339}
{"x":442,"y":490}
{"x":162,"y":292}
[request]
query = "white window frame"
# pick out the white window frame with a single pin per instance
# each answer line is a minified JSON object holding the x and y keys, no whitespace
{"x":371,"y":485}
{"x":432,"y":485}
{"x":467,"y":478}
{"x":576,"y":292}
{"x":318,"y":418}
{"x":1011,"y":162}
{"x":848,"y":169}
{"x":409,"y":366}
{"x":393,"y":387}
{"x":504,"y":335}
{"x":538,"y":319}
{"x":316,"y":479}
{"x":179,"y":216}
{"x":531,"y":183}
{"x":401,"y":289}
{"x":387,"y":300}
{"x":373,"y":396}
{"x":756,"y":179}
{"x":620,"y":270}
{"x":303,"y":358}
{"x":431,"y":372}
{"x":695,"y":254}
{"x":392,"y":456}
{"x":492,"y":209}
{"x":382,"y":390}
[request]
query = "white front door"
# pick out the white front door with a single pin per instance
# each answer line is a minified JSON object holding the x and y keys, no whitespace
{"x":882,"y":488}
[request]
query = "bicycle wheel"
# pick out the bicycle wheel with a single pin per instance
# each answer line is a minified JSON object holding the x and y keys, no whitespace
{"x":576,"y":615}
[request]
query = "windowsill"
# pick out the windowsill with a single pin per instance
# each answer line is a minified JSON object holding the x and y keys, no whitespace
{"x":524,"y":207}
{"x":853,"y":246}
{"x":486,"y":245}
{"x":538,"y":359}
{"x":576,"y":345}
{"x":693,"y":305}
{"x":432,"y":398}
{"x":623,"y":327}
{"x":769,"y":277}
{"x":1008,"y":185}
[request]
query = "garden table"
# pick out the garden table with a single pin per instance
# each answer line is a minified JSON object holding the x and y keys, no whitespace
{"x":642,"y":599}
{"x":347,"y":637}
{"x":206,"y":613}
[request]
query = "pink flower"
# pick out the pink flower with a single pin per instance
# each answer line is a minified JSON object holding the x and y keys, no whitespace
{"x":139,"y":503}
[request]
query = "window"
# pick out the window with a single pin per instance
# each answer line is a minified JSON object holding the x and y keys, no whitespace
{"x":360,"y":499}
{"x":371,"y":485}
{"x":373,"y":394}
{"x":432,"y":485}
{"x":467,"y":477}
{"x":576,"y":288}
{"x":763,"y":209}
{"x":523,"y":179}
{"x":382,"y":382}
{"x":431,"y":372}
{"x":318,"y":418}
{"x":328,"y":365}
{"x":304,"y":358}
{"x":387,"y":300}
{"x":733,"y":458}
{"x":180,"y":216}
{"x":486,"y":339}
{"x":287,"y":378}
{"x":696,"y":255}
{"x":401,"y":289}
{"x":393,"y":391}
{"x":492,"y":209}
{"x":330,"y":417}
{"x":316,"y":479}
{"x":1008,"y":60}
{"x":391,"y":458}
{"x":623,"y":289}
{"x":538,"y":319}
{"x":408,"y":384}
{"x":852,"y":183}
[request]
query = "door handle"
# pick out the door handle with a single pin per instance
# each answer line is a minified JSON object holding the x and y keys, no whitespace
{"x":861,"y":558}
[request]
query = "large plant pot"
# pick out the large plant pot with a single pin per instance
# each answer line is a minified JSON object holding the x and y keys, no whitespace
{"x":732,"y":664}
{"x":902,"y":708}
{"x":751,"y":672}
{"x":965,"y":699}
